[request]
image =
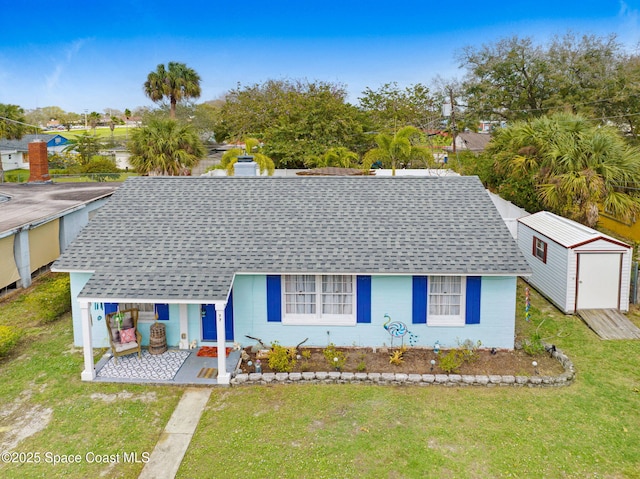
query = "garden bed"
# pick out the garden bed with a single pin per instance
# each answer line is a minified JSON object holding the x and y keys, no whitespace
{"x":416,"y":361}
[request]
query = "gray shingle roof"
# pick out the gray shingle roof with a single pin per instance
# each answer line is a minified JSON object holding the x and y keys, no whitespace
{"x":185,"y":238}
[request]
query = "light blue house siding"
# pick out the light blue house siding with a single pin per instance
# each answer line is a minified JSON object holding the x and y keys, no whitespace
{"x":392,"y":295}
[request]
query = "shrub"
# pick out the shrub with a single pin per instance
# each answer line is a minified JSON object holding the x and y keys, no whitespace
{"x":452,"y":361}
{"x":52,"y":300}
{"x":101,"y":169}
{"x":16,"y":176}
{"x":533,"y":345}
{"x":281,"y":359}
{"x":336,"y":359}
{"x":9,"y":337}
{"x":469,"y":350}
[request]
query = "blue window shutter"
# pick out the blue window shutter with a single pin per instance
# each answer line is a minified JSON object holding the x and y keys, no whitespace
{"x":228,"y":318}
{"x":274,"y":299}
{"x":363,"y":295}
{"x":162,"y":312}
{"x":419,"y":301}
{"x":474,"y":284}
{"x":110,"y":308}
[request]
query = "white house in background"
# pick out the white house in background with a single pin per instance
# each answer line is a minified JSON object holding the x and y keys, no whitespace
{"x":574,"y":266}
{"x":15,"y":153}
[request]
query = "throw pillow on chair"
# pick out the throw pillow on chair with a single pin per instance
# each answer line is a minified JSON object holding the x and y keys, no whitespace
{"x":127,"y":335}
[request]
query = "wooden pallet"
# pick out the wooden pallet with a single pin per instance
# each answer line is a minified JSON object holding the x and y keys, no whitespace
{"x":609,"y":324}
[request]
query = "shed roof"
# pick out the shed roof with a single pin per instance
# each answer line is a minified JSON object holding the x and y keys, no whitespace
{"x":564,"y":231}
{"x":180,"y":239}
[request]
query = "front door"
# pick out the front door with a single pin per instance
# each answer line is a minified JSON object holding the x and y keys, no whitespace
{"x":598,"y":281}
{"x":209,"y":332}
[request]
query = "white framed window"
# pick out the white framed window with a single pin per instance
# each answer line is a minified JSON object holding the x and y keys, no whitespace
{"x":446,"y":301}
{"x":319,"y":299}
{"x":146,"y":311}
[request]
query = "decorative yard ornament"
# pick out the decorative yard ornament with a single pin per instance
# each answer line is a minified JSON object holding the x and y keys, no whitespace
{"x":397,"y":329}
{"x":527,"y":304}
{"x":436,"y":347}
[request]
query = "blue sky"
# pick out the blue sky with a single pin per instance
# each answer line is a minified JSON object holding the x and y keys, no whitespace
{"x":84,"y":55}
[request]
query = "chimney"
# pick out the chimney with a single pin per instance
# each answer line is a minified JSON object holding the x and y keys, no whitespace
{"x":245,"y":166}
{"x":38,"y":162}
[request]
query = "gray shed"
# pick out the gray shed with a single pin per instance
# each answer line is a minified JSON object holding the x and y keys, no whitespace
{"x":574,"y":266}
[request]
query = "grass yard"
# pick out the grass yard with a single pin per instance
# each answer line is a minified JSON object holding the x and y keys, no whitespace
{"x":589,"y":429}
{"x":119,"y":133}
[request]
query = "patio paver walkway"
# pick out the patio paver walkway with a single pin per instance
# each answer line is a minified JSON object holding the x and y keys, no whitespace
{"x":174,"y":441}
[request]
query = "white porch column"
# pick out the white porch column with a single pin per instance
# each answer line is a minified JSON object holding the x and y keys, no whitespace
{"x":89,"y":373}
{"x":223,"y":376}
{"x":184,"y":327}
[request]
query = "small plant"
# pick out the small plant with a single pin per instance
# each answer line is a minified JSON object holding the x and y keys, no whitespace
{"x":451,"y":362}
{"x":281,"y":359}
{"x":118,"y":318}
{"x":336,"y":359}
{"x":362,"y":365}
{"x":533,"y":345}
{"x":305,"y":357}
{"x":469,"y":350}
{"x":9,"y":337}
{"x":397,"y":357}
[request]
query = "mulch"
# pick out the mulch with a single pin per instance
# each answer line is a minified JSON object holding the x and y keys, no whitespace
{"x":211,"y":351}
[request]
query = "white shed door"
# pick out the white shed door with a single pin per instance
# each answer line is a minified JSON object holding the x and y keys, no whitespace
{"x":598,"y":281}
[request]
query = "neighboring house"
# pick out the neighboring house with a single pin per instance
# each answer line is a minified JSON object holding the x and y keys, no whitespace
{"x":574,"y":266}
{"x":284,"y":259}
{"x":470,"y":141}
{"x":38,"y":220}
{"x":15,"y":153}
{"x":13,"y":159}
{"x":627,"y":229}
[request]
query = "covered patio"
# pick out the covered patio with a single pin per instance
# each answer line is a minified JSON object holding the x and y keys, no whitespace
{"x":174,"y":366}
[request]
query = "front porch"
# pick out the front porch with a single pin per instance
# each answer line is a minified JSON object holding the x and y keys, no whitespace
{"x":174,"y":366}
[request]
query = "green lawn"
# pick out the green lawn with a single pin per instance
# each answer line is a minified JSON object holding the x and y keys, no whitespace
{"x":589,"y":429}
{"x":119,"y":133}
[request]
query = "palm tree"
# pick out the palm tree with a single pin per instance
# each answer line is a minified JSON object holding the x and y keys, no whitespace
{"x":397,"y":149}
{"x":12,"y":126}
{"x":338,"y":156}
{"x":577,"y":167}
{"x":252,"y":146}
{"x":86,"y":146}
{"x":177,"y":82}
{"x":164,"y":147}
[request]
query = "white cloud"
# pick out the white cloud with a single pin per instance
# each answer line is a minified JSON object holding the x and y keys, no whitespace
{"x":629,"y":28}
{"x":70,"y":52}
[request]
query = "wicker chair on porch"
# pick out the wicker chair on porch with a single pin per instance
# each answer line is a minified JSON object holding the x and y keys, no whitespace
{"x":125,"y":339}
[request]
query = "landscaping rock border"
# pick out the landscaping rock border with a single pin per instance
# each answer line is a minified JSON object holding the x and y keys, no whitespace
{"x":403,"y":379}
